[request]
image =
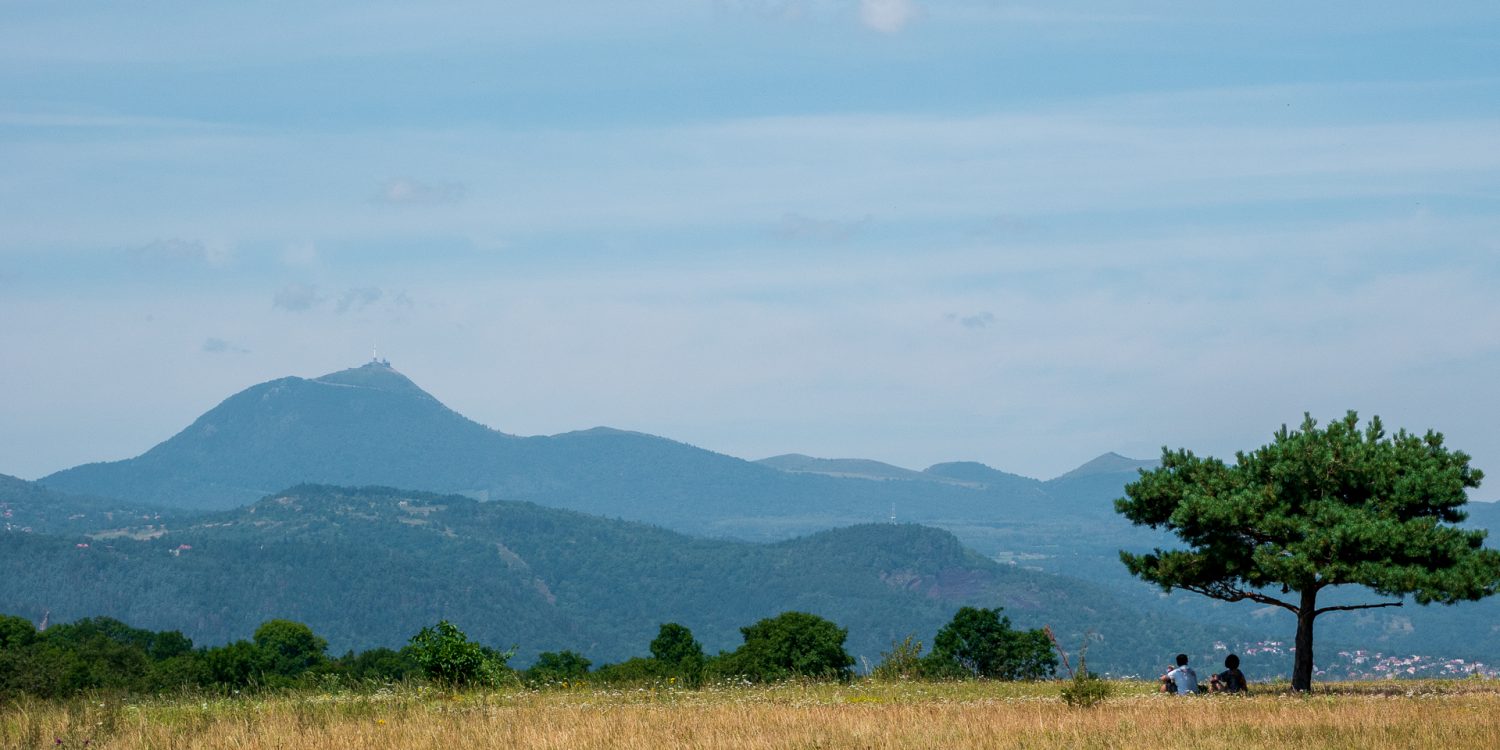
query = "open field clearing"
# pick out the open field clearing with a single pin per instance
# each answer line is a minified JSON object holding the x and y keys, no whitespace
{"x":861,"y":715}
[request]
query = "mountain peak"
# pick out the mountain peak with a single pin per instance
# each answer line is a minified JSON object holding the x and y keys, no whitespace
{"x":1110,"y":463}
{"x":376,"y":374}
{"x":979,"y":475}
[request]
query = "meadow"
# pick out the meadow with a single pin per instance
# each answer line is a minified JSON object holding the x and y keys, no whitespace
{"x":862,"y":714}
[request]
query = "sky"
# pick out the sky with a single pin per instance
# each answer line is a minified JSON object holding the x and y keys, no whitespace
{"x":907,"y":230}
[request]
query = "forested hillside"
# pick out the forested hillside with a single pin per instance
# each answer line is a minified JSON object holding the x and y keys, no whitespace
{"x":371,"y":425}
{"x":30,"y":507}
{"x":368,"y":567}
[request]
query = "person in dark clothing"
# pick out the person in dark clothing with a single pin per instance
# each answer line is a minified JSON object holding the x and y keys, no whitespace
{"x":1231,"y":680}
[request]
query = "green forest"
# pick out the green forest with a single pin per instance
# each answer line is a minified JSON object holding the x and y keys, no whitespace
{"x":367,"y":567}
{"x":585,"y":542}
{"x":104,"y":654}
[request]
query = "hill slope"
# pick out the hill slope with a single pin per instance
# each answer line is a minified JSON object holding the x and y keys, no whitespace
{"x":370,"y":566}
{"x":28,"y":507}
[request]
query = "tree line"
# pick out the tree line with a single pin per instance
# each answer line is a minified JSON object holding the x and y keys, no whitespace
{"x":104,"y":654}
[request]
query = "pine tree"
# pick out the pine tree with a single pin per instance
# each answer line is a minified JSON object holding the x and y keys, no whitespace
{"x":1316,"y":508}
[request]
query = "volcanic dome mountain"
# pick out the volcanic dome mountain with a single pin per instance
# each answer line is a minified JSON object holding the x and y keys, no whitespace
{"x":371,"y":425}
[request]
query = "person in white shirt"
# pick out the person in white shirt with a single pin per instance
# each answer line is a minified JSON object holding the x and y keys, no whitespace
{"x":1183,"y":679}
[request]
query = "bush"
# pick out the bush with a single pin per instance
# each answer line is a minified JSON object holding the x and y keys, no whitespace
{"x":16,"y":632}
{"x":238,"y":664}
{"x":563,"y":666}
{"x":447,"y":656}
{"x":902,"y":662}
{"x":1085,"y":690}
{"x":291,"y":648}
{"x":377,"y":665}
{"x":981,"y":643}
{"x":791,"y":644}
{"x":677,"y":653}
{"x":636,"y":671}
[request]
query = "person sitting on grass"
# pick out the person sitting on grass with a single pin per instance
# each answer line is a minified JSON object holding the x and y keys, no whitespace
{"x":1182,"y":680}
{"x":1231,"y":680}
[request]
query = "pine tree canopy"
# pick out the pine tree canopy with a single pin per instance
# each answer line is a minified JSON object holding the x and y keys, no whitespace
{"x":1315,"y":508}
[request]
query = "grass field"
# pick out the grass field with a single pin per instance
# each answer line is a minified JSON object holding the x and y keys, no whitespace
{"x":865,"y":714}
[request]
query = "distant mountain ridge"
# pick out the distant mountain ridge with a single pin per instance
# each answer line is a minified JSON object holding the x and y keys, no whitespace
{"x":371,"y":425}
{"x":853,"y":468}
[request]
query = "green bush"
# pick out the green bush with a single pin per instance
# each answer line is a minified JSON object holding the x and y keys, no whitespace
{"x":447,"y":656}
{"x":791,"y":644}
{"x":1085,"y":690}
{"x":636,"y":671}
{"x":678,"y":654}
{"x":981,"y":643}
{"x":290,"y":648}
{"x":902,"y":662}
{"x":378,"y":665}
{"x":562,"y":666}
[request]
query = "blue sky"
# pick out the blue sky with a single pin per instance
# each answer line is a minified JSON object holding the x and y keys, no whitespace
{"x":1023,"y":234}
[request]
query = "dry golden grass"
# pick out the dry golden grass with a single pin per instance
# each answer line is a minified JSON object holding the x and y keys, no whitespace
{"x":1366,"y":716}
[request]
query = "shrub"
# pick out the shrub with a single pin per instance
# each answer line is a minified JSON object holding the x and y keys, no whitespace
{"x":447,"y":656}
{"x":377,"y":665}
{"x":636,"y":671}
{"x":981,"y":643}
{"x":791,"y":644}
{"x":678,"y":653}
{"x":561,"y":666}
{"x":1085,"y":690}
{"x":291,"y":648}
{"x":902,"y":662}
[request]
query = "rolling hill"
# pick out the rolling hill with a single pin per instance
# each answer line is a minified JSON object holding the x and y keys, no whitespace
{"x":370,"y":566}
{"x":372,"y":426}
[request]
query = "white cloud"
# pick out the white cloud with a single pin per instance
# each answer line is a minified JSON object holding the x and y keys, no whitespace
{"x":982,"y":319}
{"x":359,"y":298}
{"x":405,"y":191}
{"x":178,"y":250}
{"x":215,"y":345}
{"x":887,"y":16}
{"x":297,"y":298}
{"x":300,"y":255}
{"x":1156,"y":152}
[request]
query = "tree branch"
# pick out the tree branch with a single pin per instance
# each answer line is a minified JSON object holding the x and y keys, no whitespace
{"x":1231,"y":594}
{"x":1348,"y":607}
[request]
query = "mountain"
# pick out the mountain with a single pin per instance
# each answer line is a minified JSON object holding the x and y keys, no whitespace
{"x":368,"y":567}
{"x":365,"y":425}
{"x":1107,"y":464}
{"x":852,"y":468}
{"x":372,"y":425}
{"x":975,"y":474}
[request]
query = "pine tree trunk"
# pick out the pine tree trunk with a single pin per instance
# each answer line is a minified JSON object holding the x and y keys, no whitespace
{"x":1302,"y":666}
